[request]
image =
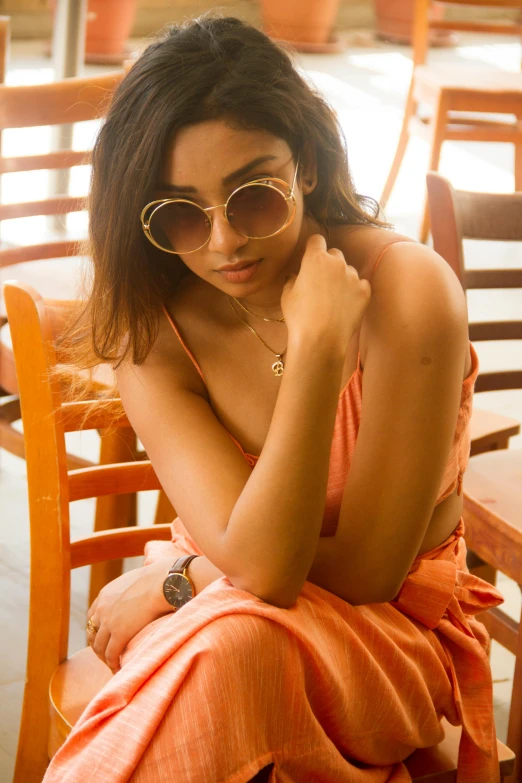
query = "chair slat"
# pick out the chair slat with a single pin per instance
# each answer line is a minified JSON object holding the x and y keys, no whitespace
{"x":490,"y":216}
{"x":116,"y":543}
{"x":112,"y":480}
{"x":502,"y":628}
{"x":51,"y":206}
{"x":78,"y":100}
{"x":493,"y":278}
{"x":495,"y":330}
{"x":499,"y":381}
{"x":18,"y":255}
{"x":90,"y":415}
{"x":62,"y":159}
{"x":476,"y":27}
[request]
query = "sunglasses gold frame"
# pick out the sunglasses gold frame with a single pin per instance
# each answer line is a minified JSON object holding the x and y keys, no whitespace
{"x":146,"y":218}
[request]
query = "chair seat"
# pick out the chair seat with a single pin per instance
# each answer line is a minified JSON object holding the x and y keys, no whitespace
{"x":73,"y":685}
{"x":495,"y":479}
{"x":483,"y":80}
{"x":82,"y":676}
{"x":490,"y":430}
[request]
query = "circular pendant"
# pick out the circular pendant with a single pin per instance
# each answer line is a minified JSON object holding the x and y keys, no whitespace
{"x":278,"y":367}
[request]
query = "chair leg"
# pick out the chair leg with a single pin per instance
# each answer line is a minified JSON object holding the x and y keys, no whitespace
{"x":113,"y":511}
{"x":165,"y":511}
{"x":409,"y":111}
{"x":439,"y":127}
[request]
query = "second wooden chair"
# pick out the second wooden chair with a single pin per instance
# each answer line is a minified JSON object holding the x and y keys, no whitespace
{"x":493,"y":480}
{"x":466,"y":104}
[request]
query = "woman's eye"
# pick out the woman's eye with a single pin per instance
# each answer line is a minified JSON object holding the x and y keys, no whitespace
{"x":259,"y":179}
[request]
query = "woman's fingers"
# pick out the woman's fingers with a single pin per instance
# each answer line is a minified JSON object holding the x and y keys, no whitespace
{"x":101,"y":640}
{"x":316,"y":242}
{"x":108,"y":646}
{"x":113,"y":651}
{"x":92,"y":609}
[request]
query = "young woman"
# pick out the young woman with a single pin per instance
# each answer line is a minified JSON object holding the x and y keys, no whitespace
{"x":311,"y":433}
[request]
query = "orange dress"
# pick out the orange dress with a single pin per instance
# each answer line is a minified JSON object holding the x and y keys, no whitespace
{"x":326,"y":691}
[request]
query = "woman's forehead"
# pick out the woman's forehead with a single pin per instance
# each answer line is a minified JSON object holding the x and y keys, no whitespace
{"x":214,"y":148}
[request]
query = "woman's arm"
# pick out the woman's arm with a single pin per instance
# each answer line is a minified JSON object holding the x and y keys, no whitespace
{"x":417,"y":346}
{"x":258,"y":527}
{"x":275,"y":524}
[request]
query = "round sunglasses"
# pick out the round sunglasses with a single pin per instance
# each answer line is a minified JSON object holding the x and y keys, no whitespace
{"x":259,"y":209}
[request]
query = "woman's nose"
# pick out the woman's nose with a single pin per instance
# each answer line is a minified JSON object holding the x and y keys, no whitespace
{"x":223,"y":238}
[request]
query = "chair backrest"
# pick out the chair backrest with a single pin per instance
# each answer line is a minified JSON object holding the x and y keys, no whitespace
{"x":59,"y":103}
{"x":426,"y":19}
{"x":459,"y":214}
{"x":35,"y":325}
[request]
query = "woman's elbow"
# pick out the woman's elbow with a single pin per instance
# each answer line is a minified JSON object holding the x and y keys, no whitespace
{"x":282,"y":597}
{"x":372,"y":593}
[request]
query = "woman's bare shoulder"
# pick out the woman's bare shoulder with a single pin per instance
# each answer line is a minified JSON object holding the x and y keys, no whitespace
{"x":362,"y":245}
{"x":167,"y":362}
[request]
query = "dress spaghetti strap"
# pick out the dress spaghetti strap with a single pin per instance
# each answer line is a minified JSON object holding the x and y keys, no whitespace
{"x":379,"y":257}
{"x":383,"y":251}
{"x":187,"y":351}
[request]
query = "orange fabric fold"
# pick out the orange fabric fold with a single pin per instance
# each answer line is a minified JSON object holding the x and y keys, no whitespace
{"x":441,"y":594}
{"x":325,"y":690}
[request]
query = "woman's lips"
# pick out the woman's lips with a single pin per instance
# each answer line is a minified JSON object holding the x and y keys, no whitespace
{"x":241,"y":275}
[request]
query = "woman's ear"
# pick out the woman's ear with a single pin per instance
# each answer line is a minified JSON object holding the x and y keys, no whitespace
{"x":309,"y":173}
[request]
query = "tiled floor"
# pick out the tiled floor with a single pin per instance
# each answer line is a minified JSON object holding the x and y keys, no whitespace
{"x":367,"y":86}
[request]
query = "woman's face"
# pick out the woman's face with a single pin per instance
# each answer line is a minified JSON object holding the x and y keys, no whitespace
{"x":205,"y":164}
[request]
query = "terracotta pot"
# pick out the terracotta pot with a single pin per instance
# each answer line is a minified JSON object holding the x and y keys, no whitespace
{"x":306,"y":22}
{"x":394,"y":20}
{"x":109,"y":25}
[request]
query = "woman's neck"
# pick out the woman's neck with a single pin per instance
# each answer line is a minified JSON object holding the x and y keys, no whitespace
{"x":267,"y":303}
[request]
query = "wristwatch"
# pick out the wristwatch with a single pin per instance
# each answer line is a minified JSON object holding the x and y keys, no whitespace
{"x":178,"y":588}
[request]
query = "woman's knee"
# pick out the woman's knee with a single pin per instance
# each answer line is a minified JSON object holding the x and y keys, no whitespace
{"x":249,"y":643}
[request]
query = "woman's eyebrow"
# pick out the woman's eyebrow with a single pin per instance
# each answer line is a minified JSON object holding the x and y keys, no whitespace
{"x":226,"y":180}
{"x":248,"y":167}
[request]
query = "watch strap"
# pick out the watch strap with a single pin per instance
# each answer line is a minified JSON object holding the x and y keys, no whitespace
{"x":180,"y":564}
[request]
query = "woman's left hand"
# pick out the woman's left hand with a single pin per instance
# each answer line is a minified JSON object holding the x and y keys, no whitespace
{"x":124,"y":607}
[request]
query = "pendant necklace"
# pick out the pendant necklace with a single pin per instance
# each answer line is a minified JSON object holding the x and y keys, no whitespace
{"x":278,"y":366}
{"x":273,"y":320}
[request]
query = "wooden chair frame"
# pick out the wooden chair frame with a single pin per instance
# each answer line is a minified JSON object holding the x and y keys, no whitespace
{"x":494,"y":541}
{"x":449,"y":102}
{"x":51,"y":487}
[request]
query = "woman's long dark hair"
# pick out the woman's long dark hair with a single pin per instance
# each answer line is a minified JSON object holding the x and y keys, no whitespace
{"x":203,"y":69}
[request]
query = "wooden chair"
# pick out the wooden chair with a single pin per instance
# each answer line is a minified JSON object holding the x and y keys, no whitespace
{"x":452,"y":92}
{"x":34,"y":326}
{"x":58,"y":688}
{"x":493,"y":481}
{"x":55,"y":267}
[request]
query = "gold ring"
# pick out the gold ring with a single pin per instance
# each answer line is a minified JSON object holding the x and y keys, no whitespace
{"x":92,"y":628}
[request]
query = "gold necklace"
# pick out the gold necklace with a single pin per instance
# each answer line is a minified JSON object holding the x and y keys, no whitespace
{"x":278,"y":366}
{"x":274,"y":320}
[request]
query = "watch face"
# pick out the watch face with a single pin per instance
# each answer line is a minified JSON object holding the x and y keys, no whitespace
{"x":177,"y":590}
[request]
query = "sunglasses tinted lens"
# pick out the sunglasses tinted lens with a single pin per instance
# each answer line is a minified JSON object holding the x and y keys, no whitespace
{"x":257,"y":211}
{"x":179,"y":227}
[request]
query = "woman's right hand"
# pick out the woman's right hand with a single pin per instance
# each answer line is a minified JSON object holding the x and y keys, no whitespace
{"x":327,"y":299}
